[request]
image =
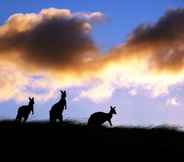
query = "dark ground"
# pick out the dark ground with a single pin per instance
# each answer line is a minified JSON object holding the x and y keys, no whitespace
{"x":73,"y":137}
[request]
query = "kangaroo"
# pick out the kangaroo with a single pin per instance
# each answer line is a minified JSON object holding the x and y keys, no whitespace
{"x":58,"y":108}
{"x":24,"y":111}
{"x":99,"y":118}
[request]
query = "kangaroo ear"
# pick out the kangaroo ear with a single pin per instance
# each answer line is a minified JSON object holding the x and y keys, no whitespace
{"x":114,"y":107}
{"x":29,"y":98}
{"x":61,"y":91}
{"x":32,"y":98}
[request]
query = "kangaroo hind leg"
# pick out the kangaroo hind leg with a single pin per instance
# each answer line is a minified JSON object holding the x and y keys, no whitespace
{"x":61,"y":118}
{"x":18,"y":118}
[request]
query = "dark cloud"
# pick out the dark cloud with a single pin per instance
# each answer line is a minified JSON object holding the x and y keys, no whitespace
{"x":164,"y":39}
{"x":59,"y":42}
{"x":53,"y":42}
{"x":58,"y":39}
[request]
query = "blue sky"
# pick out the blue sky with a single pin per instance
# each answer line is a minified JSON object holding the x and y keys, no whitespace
{"x":121,"y":18}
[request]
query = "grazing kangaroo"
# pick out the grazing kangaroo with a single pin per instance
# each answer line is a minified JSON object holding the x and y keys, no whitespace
{"x":99,"y":118}
{"x":24,"y":111}
{"x":57,"y":109}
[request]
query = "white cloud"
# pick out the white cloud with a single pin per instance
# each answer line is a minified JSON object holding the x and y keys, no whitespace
{"x":118,"y":69}
{"x":101,"y":92}
{"x":133,"y":92}
{"x":172,"y":102}
{"x":91,"y":17}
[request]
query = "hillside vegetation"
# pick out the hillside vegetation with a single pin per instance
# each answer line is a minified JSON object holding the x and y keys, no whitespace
{"x":72,"y":134}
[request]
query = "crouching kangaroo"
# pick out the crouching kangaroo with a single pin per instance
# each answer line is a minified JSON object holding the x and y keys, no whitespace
{"x":99,"y":118}
{"x":58,"y":108}
{"x":24,"y":111}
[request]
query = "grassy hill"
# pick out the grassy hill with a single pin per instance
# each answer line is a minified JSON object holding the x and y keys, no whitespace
{"x":76,"y":135}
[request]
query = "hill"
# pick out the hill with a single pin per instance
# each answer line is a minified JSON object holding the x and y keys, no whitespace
{"x":76,"y":135}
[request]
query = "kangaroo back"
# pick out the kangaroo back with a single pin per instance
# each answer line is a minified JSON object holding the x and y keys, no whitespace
{"x":98,"y":118}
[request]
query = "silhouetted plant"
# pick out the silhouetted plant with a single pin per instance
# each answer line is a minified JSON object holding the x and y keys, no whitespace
{"x":56,"y":112}
{"x":99,"y":118}
{"x":24,"y":111}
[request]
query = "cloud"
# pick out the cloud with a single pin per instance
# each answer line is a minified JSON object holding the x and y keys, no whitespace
{"x":16,"y":84}
{"x":152,"y":58}
{"x":172,"y":102}
{"x":91,"y":17}
{"x":133,"y":92}
{"x":164,"y":41}
{"x":56,"y":46}
{"x":52,"y":39}
{"x":98,"y":93}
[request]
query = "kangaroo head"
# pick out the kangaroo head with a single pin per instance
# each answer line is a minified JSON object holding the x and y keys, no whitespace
{"x":63,"y":94}
{"x":112,"y":110}
{"x":31,"y":100}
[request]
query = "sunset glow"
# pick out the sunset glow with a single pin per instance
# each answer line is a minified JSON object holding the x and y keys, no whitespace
{"x":65,"y":46}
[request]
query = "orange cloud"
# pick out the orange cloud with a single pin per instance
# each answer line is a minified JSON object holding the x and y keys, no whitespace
{"x":152,"y":58}
{"x":56,"y":45}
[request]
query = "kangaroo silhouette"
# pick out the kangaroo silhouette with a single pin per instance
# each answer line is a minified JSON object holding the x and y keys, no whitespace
{"x":24,"y":111}
{"x":99,"y":118}
{"x":56,"y":112}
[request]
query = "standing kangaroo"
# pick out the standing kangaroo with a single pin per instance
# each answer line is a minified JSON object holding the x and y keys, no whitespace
{"x":57,"y":109}
{"x":99,"y":118}
{"x":24,"y":111}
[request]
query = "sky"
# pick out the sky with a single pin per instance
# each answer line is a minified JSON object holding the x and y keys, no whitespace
{"x":128,"y":54}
